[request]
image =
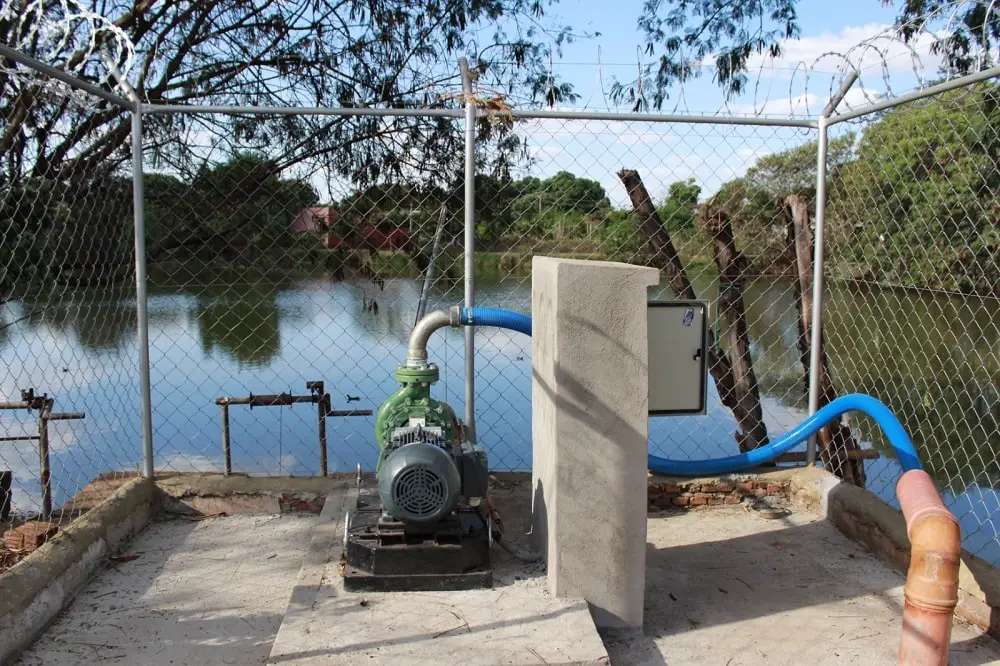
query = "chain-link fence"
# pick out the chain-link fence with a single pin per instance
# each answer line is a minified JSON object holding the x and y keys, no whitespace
{"x":271,"y":270}
{"x":912,"y":314}
{"x":69,"y":409}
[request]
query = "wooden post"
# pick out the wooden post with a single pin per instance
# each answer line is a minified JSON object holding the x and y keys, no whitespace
{"x":748,"y":416}
{"x":45,"y":471}
{"x":837,"y":444}
{"x":324,"y":408}
{"x":732,"y":267}
{"x":227,"y":454}
{"x":6,"y":479}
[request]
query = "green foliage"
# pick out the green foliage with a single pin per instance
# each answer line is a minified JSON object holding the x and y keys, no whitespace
{"x":621,"y":237}
{"x":918,"y":204}
{"x":680,"y":207}
{"x":557,"y":207}
{"x":58,"y":232}
{"x":684,"y":33}
{"x":241,"y":203}
{"x":681,"y":35}
{"x":754,"y":202}
{"x":350,"y":53}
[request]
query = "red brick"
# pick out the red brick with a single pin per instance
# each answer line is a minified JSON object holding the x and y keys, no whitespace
{"x":30,"y":536}
{"x":304,"y":506}
{"x":715,"y":500}
{"x":774,"y":490}
{"x":732,"y":499}
{"x":746,"y":486}
{"x":681,"y":500}
{"x":663,"y":501}
{"x":699,"y":500}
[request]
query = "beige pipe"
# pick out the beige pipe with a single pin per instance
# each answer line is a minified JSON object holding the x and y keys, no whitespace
{"x":931,"y":591}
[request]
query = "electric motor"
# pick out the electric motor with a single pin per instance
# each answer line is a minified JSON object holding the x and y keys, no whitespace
{"x":425,"y":470}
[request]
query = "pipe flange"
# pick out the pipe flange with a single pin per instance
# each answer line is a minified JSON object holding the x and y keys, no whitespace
{"x":425,"y":374}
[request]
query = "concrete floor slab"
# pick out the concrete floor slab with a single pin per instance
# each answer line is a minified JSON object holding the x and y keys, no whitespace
{"x":199,"y":592}
{"x":725,"y":586}
{"x":516,"y":622}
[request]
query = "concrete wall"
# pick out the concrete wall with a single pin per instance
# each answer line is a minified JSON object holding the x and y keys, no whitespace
{"x":590,"y":430}
{"x":34,"y":591}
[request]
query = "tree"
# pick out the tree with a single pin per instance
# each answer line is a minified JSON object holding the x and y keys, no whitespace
{"x":679,"y":208}
{"x":240,"y":203}
{"x":354,"y":53}
{"x":755,"y":201}
{"x":680,"y":35}
{"x":563,"y":205}
{"x":918,"y":204}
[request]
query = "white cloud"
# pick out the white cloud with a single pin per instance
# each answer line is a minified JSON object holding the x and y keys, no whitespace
{"x":869,"y":48}
{"x":790,"y":107}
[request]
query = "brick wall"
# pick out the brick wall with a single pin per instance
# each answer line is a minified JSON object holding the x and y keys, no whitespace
{"x":665,"y":492}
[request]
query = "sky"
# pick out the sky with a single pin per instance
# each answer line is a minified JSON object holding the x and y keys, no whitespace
{"x":797,"y":84}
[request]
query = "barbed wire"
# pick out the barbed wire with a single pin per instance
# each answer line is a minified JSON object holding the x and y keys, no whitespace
{"x":67,"y":35}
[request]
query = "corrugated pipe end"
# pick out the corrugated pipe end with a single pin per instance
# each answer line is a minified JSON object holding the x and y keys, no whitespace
{"x":931,"y":591}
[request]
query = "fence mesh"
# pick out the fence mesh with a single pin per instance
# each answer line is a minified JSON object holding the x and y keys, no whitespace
{"x":267,"y":274}
{"x":264,"y":279}
{"x":913,"y":312}
{"x":69,"y":418}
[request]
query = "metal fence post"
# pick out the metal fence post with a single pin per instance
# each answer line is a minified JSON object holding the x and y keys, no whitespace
{"x":815,"y":334}
{"x":470,"y":248}
{"x":142,"y":315}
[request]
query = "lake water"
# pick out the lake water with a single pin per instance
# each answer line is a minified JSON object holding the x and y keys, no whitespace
{"x":933,"y":359}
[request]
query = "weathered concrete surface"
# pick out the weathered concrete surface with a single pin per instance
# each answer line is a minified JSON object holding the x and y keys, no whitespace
{"x":865,"y":518}
{"x":725,"y":586}
{"x":200,"y":592}
{"x":34,"y":591}
{"x":239,"y":494}
{"x":590,"y":421}
{"x":516,"y":622}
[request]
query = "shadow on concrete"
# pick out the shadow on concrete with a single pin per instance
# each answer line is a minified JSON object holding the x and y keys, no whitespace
{"x":513,"y":498}
{"x":413,"y":638}
{"x":726,"y":581}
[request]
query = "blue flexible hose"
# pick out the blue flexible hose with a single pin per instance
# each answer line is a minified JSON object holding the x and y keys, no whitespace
{"x":515,"y":321}
{"x":890,"y":425}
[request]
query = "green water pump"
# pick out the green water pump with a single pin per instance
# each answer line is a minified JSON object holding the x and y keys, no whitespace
{"x":427,"y":469}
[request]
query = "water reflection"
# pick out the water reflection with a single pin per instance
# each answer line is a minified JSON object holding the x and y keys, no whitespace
{"x":242,"y":325}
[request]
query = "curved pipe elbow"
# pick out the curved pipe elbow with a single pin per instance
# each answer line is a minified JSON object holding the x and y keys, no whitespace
{"x":931,"y":591}
{"x":416,"y":352}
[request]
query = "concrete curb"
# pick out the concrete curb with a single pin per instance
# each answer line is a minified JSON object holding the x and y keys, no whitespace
{"x":326,"y":546}
{"x":865,"y":518}
{"x":34,"y":591}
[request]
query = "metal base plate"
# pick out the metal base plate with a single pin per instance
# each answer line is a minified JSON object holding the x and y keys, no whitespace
{"x":392,"y":557}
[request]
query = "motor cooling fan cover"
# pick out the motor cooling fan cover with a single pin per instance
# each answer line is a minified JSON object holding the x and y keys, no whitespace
{"x":419,"y":484}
